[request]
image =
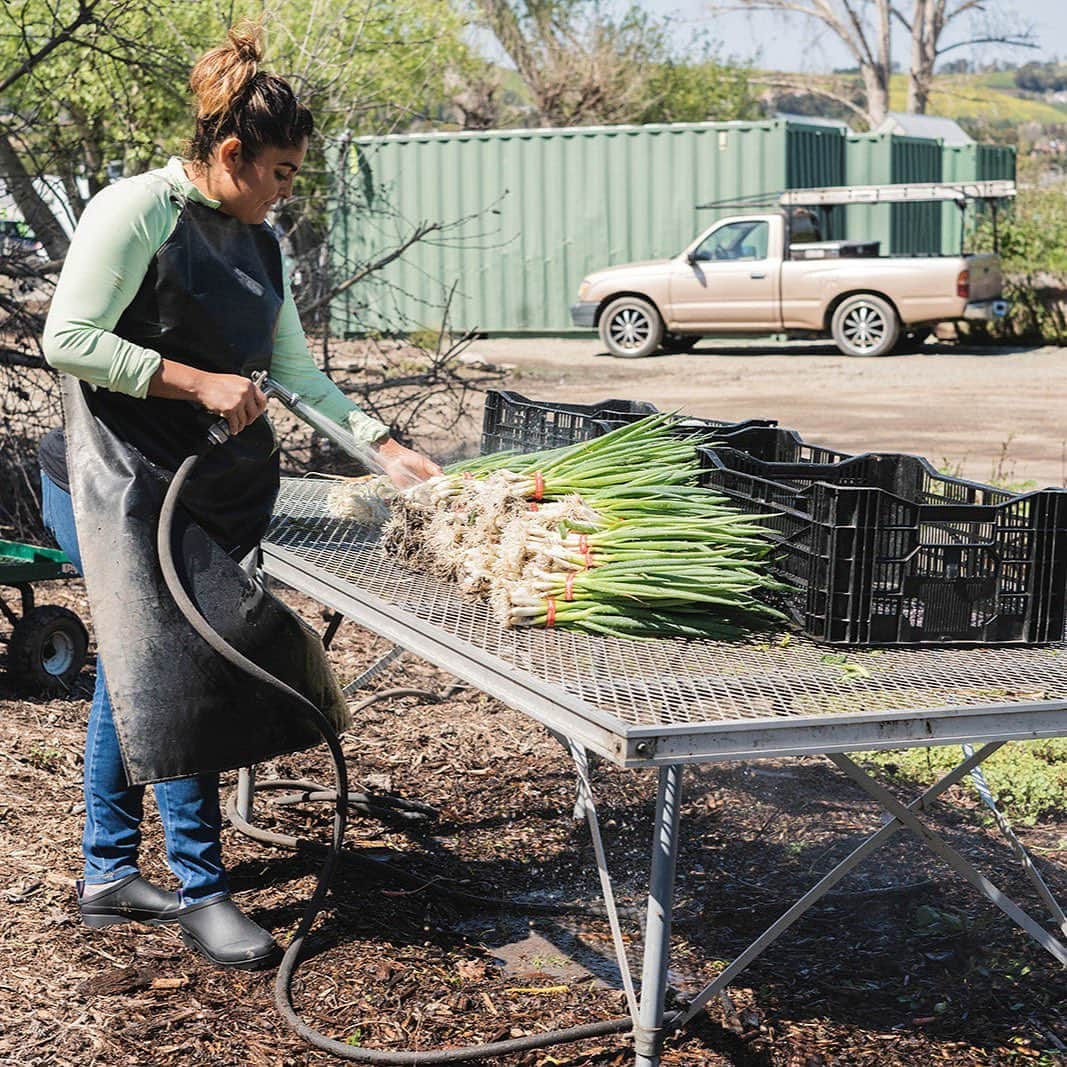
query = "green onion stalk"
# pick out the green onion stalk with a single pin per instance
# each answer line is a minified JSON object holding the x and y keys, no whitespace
{"x":644,"y":453}
{"x":611,"y":536}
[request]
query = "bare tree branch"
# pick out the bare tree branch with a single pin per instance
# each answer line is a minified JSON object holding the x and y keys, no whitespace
{"x":802,"y":86}
{"x":864,"y":29}
{"x":419,"y":233}
{"x":1023,"y":41}
{"x":930,"y":21}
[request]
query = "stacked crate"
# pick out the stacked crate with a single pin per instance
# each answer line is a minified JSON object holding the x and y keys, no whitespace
{"x":878,"y":548}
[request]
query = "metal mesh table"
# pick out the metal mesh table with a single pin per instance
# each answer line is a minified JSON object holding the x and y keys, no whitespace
{"x":669,"y":702}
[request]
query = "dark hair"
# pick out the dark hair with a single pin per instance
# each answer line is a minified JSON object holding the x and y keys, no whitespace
{"x":236,"y":99}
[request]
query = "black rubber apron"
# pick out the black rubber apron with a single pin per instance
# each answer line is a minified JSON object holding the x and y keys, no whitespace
{"x":210,"y":299}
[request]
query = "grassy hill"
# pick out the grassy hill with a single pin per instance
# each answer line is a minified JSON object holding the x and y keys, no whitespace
{"x":986,"y":96}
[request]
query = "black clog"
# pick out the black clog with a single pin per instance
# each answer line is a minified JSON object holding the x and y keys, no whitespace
{"x":220,"y":931}
{"x":130,"y":899}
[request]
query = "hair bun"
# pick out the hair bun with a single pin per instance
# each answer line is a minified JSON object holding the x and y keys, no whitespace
{"x":246,"y":39}
{"x":221,"y":75}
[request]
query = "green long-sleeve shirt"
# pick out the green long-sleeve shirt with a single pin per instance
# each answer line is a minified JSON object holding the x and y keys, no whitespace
{"x":119,"y":233}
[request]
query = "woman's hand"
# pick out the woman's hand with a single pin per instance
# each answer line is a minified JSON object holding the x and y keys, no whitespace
{"x":404,"y":466}
{"x":237,"y":399}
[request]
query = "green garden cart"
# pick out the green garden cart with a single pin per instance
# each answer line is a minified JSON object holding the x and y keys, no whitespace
{"x":47,"y":646}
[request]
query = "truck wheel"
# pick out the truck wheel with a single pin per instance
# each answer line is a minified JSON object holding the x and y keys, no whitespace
{"x":47,"y":649}
{"x":865,"y":325}
{"x":631,"y":327}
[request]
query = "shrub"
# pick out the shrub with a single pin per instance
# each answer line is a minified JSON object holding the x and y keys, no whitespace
{"x":1027,"y":778}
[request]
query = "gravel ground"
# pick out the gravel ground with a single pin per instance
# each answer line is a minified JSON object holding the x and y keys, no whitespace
{"x":991,"y":413}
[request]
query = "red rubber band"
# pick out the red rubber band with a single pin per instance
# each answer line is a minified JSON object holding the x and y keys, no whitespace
{"x":535,"y":507}
{"x":550,"y":616}
{"x":583,"y":547}
{"x":568,"y":588}
{"x":539,"y":485}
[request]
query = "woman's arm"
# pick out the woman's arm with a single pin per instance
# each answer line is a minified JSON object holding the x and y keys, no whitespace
{"x":118,"y":234}
{"x":293,"y":367}
{"x":238,"y":399}
{"x":117,"y":237}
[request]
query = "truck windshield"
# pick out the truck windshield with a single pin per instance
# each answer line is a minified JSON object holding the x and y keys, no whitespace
{"x":735,"y":241}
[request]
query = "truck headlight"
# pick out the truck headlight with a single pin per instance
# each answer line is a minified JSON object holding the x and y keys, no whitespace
{"x":583,"y":289}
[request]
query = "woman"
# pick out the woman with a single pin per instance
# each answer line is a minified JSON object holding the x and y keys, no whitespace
{"x":172,"y":293}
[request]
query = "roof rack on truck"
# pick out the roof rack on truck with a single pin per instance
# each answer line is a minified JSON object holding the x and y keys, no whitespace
{"x":1001,"y":189}
{"x":799,"y":201}
{"x":901,"y":193}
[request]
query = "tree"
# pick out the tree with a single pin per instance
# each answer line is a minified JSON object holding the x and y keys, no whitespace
{"x":864,"y":27}
{"x":580,"y":64}
{"x":1042,"y":77}
{"x":82,"y":83}
{"x":697,"y":90}
{"x":931,"y":21}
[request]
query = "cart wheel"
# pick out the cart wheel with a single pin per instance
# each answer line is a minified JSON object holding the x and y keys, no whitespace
{"x":47,"y":649}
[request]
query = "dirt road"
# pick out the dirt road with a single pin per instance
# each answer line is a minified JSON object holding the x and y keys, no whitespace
{"x":992,"y":414}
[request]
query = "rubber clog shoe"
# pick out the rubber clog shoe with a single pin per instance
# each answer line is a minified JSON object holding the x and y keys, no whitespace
{"x":130,"y":899}
{"x":220,"y":931}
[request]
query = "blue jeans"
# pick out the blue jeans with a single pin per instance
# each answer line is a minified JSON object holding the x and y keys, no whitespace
{"x":188,"y":807}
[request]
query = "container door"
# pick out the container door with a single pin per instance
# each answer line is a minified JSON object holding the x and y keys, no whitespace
{"x":732,"y":282}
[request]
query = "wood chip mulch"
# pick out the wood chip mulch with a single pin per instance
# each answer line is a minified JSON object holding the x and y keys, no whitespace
{"x":904,"y":966}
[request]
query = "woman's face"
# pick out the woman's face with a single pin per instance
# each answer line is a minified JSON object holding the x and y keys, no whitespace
{"x":249,"y":189}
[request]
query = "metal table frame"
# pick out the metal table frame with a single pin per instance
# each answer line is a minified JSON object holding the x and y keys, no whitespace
{"x":585,"y":729}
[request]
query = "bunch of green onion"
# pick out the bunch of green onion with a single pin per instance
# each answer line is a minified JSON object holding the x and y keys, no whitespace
{"x":610,"y":536}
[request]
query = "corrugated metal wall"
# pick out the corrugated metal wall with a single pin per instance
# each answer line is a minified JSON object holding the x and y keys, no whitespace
{"x":542,"y":208}
{"x":916,"y":228}
{"x":884,"y":159}
{"x":868,"y":162}
{"x":973,"y":162}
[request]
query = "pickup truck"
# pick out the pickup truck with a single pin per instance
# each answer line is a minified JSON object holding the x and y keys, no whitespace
{"x":742,"y":276}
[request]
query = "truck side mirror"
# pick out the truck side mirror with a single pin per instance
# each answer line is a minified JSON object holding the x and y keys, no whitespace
{"x":690,"y":258}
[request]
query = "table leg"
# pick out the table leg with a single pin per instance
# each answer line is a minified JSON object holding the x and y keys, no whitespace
{"x":583,"y":762}
{"x":1029,"y":868}
{"x":829,"y":880}
{"x":960,"y":865}
{"x":246,"y":792}
{"x":366,"y":677}
{"x":648,"y":1033}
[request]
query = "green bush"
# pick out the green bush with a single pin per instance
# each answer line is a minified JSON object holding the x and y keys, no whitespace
{"x":1027,"y":778}
{"x":1033,"y":251}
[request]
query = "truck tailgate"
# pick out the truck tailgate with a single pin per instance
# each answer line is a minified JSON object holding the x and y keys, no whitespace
{"x":987,"y":282}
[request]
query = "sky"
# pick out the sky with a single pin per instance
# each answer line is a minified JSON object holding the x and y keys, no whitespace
{"x":802,"y":45}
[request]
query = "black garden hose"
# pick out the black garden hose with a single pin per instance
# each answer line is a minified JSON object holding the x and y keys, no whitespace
{"x":292,"y":957}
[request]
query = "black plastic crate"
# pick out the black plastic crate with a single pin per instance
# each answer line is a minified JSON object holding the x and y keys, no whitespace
{"x":513,"y":422}
{"x":881,"y":549}
{"x":773,"y":444}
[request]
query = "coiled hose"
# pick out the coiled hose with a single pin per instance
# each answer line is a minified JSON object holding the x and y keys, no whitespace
{"x":292,"y":957}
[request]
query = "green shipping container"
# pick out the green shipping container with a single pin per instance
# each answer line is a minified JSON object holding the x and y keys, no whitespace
{"x":530,"y":212}
{"x":893,"y":159}
{"x":964,"y":163}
